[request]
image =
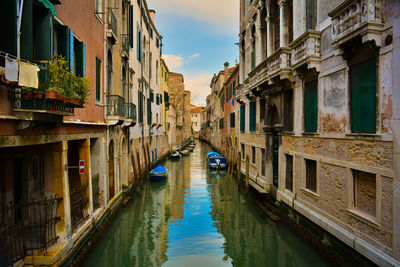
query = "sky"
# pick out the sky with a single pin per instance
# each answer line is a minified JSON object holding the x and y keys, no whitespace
{"x":199,"y":36}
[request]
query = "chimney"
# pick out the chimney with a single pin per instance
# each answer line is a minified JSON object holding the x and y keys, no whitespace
{"x":226,"y":71}
{"x":152,"y":13}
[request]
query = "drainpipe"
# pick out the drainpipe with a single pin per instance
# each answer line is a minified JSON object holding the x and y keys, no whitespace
{"x":19,"y":19}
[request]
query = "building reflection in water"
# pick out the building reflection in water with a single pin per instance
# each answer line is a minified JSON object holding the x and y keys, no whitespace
{"x":197,"y":218}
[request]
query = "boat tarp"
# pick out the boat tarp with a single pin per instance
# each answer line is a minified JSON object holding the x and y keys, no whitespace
{"x":159,"y":169}
{"x":212,"y":153}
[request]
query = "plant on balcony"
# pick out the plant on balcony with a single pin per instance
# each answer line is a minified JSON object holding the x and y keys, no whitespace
{"x":66,"y":83}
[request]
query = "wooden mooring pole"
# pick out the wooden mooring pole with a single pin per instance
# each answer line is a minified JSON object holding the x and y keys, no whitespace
{"x":247,"y":172}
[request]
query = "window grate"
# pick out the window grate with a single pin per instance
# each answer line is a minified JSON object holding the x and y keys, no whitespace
{"x":289,"y":172}
{"x":311,"y":175}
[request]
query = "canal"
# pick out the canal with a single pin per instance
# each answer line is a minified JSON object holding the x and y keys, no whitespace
{"x":198,"y":218}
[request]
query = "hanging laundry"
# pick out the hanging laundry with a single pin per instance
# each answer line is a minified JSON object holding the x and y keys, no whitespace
{"x":28,"y":75}
{"x":11,"y":69}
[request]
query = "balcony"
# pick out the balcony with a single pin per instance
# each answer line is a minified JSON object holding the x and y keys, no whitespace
{"x":125,"y":45}
{"x":112,"y":29}
{"x":357,"y":18}
{"x":306,"y":50}
{"x":131,"y":117}
{"x":116,"y":110}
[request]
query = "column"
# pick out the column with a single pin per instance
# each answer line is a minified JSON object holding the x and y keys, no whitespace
{"x":270,"y":36}
{"x":284,"y":23}
{"x":260,"y":34}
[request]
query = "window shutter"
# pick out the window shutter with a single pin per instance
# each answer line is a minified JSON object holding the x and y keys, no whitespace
{"x":160,"y":99}
{"x":138,"y":43}
{"x":71,"y":51}
{"x":149,"y":111}
{"x":8,"y":27}
{"x":62,"y":41}
{"x":252,"y":116}
{"x":26,"y":30}
{"x":83,"y":60}
{"x":43,"y":35}
{"x":363,"y":97}
{"x":80,"y":59}
{"x":98,"y":79}
{"x":242,"y":117}
{"x":311,"y":106}
{"x":131,"y":25}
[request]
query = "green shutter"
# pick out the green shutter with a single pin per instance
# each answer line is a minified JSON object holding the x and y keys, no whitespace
{"x":80,"y":58}
{"x":138,"y":47}
{"x":62,"y":41}
{"x":253,"y":59}
{"x":131,"y":25}
{"x":71,"y":51}
{"x":140,"y":104}
{"x":363,"y":97}
{"x":149,"y":111}
{"x":8,"y":27}
{"x":311,"y":106}
{"x":27,"y":31}
{"x":252,"y":116}
{"x":43,"y":34}
{"x":242,"y":117}
{"x":98,"y":79}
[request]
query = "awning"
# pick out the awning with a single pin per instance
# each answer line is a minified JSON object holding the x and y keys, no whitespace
{"x":49,"y":5}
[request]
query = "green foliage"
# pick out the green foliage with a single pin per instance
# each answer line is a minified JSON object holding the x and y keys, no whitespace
{"x":65,"y":82}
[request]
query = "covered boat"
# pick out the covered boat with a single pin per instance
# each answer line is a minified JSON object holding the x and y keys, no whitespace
{"x":212,"y":153}
{"x":217,"y":162}
{"x":158,"y":173}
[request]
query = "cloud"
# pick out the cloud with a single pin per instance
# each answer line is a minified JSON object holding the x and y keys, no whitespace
{"x":194,"y":56}
{"x":173,"y":61}
{"x":222,"y":15}
{"x":199,"y":86}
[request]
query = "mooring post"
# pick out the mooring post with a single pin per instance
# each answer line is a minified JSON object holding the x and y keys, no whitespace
{"x":247,"y":172}
{"x":134,"y":167}
{"x":139,"y":166}
{"x":239,"y":166}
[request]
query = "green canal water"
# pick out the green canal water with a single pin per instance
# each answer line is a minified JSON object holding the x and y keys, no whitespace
{"x":198,"y":218}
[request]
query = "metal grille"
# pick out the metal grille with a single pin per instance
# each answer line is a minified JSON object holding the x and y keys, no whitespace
{"x":79,"y":201}
{"x":289,"y":172}
{"x":28,"y":228}
{"x":96,"y":191}
{"x":311,"y":175}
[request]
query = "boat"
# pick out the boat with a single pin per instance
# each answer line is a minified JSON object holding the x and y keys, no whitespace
{"x":212,"y":153}
{"x":190,"y":148}
{"x":158,"y":173}
{"x":176,"y":155}
{"x":193,"y":143}
{"x":185,"y":152}
{"x":217,"y":162}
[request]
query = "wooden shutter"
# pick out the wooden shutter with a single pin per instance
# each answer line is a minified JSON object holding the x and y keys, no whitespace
{"x":148,"y":111}
{"x":311,"y":106}
{"x":43,"y":34}
{"x":71,"y":51}
{"x":140,"y":104}
{"x":242,"y":117}
{"x":8,"y":27}
{"x":80,"y":59}
{"x":98,"y":79}
{"x":62,"y":41}
{"x":252,"y":116}
{"x":26,"y":30}
{"x":131,"y":25}
{"x":363,"y":97}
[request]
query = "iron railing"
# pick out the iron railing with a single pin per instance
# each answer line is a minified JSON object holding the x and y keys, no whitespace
{"x":79,"y":202}
{"x":131,"y":114}
{"x":27,"y":228}
{"x":112,"y":22}
{"x":116,"y":106}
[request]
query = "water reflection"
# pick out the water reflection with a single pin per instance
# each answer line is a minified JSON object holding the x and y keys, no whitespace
{"x":197,"y":218}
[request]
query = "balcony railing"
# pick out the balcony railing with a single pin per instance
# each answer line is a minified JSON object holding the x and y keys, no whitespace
{"x":112,"y":22}
{"x":116,"y":106}
{"x":28,"y":228}
{"x":131,"y":114}
{"x":306,"y":50}
{"x":357,"y":17}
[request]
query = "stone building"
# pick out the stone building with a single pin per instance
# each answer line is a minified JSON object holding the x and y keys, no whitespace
{"x":195,"y":118}
{"x":319,"y":115}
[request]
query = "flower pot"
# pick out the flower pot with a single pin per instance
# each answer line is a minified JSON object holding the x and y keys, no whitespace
{"x":51,"y":94}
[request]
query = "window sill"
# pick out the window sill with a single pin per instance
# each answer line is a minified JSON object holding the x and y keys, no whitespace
{"x":364,"y":217}
{"x":253,"y":165}
{"x":287,"y":133}
{"x":310,"y":134}
{"x":370,"y":136}
{"x":99,"y":104}
{"x":310,"y":193}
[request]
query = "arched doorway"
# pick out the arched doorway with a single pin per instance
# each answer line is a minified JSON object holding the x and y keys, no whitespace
{"x":111,"y":171}
{"x":123,"y":163}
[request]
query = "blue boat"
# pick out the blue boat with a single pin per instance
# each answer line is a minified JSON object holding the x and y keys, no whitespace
{"x":159,"y":173}
{"x":212,"y":153}
{"x":217,"y":162}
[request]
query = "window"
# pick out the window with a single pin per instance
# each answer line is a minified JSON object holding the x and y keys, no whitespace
{"x":221,"y":123}
{"x":289,"y":172}
{"x":98,"y":79}
{"x":263,"y":162}
{"x":152,"y":96}
{"x":364,"y":192}
{"x":242,"y":117}
{"x":288,"y":107}
{"x":311,"y":175}
{"x":311,"y":14}
{"x":253,"y":155}
{"x":311,"y":106}
{"x":131,"y":39}
{"x":149,"y":111}
{"x":243,"y":151}
{"x":276,"y":25}
{"x":139,"y":44}
{"x":363,"y":97}
{"x":232,"y":120}
{"x":140,"y":106}
{"x":252,"y":117}
{"x":253,"y":52}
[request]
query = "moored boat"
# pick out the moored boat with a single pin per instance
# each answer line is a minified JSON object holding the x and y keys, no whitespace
{"x":158,"y":173}
{"x":217,"y":162}
{"x":185,"y":152}
{"x":176,"y":155}
{"x":212,"y":153}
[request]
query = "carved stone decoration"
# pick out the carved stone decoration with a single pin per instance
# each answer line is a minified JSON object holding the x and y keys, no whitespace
{"x":306,"y":50}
